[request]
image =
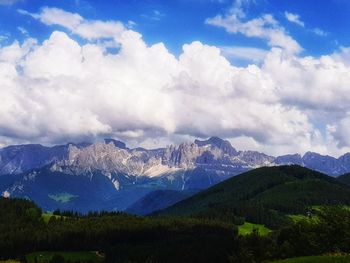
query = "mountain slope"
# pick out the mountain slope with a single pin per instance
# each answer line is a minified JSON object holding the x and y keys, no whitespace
{"x":157,"y":200}
{"x":56,"y":190}
{"x":53,"y":189}
{"x":345,"y":179}
{"x":257,"y":193}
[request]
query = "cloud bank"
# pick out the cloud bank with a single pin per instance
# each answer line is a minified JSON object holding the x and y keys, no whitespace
{"x":61,"y":90}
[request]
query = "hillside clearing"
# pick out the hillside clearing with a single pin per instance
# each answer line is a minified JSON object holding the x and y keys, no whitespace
{"x":248,"y":228}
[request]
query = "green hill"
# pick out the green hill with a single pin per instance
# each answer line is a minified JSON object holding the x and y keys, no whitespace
{"x":264,"y":195}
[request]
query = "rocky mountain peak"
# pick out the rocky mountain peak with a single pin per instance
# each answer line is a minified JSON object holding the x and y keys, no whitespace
{"x":219,"y":143}
{"x":310,"y":155}
{"x":118,"y":144}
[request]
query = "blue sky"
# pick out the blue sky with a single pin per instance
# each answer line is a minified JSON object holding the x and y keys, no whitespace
{"x":183,"y":21}
{"x":268,"y":75}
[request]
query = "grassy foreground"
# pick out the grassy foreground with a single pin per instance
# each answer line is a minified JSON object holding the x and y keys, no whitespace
{"x":248,"y":228}
{"x":45,"y":256}
{"x":316,"y":259}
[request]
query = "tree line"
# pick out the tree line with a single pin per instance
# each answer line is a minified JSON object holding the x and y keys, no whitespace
{"x":127,"y":238}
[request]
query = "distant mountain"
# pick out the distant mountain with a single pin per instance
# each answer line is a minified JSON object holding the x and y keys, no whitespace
{"x":263,"y":193}
{"x":213,"y":154}
{"x":157,"y":200}
{"x":20,"y":158}
{"x":187,"y":166}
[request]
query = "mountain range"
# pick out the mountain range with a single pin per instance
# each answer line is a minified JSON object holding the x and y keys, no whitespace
{"x":108,"y":175}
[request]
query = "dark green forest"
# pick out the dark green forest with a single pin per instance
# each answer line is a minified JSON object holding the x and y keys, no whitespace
{"x":119,"y":236}
{"x":202,"y":228}
{"x":125,"y":238}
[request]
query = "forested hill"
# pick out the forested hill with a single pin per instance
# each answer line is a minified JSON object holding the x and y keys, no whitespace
{"x":345,"y":179}
{"x":261,"y":195}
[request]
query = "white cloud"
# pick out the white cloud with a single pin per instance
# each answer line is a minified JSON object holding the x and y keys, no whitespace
{"x":88,"y":29}
{"x":131,"y":24}
{"x":294,"y":18}
{"x":319,"y":32}
{"x":60,"y":90}
{"x":264,"y":27}
{"x":65,"y":90}
{"x":22,"y":30}
{"x":55,"y":16}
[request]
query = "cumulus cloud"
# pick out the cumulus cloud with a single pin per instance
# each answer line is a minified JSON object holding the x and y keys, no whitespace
{"x":61,"y":90}
{"x":294,"y":18}
{"x":65,"y":90}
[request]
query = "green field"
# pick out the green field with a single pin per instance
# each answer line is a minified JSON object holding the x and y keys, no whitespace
{"x":248,"y":228}
{"x":316,"y":259}
{"x":9,"y":261}
{"x":63,"y":197}
{"x":43,"y":257}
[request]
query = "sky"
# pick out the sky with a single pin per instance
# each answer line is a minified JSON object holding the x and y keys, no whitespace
{"x":268,"y":75}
